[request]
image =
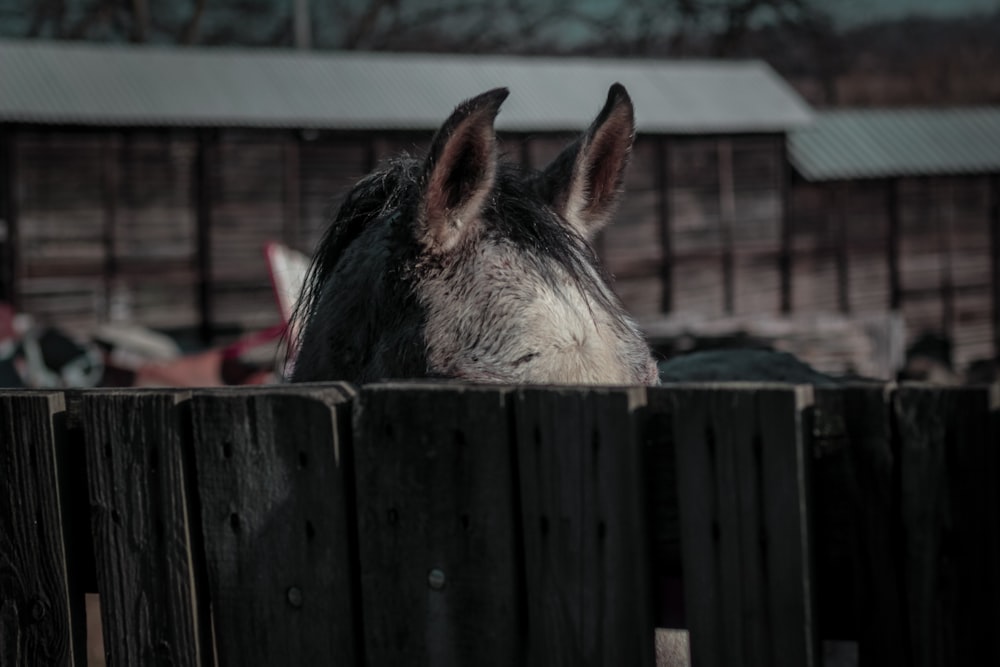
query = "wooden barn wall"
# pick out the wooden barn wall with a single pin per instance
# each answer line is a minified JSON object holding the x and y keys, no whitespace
{"x":841,"y":241}
{"x":945,"y":264}
{"x":721,"y":207}
{"x":248,"y":197}
{"x":107,"y":228}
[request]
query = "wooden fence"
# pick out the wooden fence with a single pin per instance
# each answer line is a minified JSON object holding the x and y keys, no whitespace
{"x":440,"y":524}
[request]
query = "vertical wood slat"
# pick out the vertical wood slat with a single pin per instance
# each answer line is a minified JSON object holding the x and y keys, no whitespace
{"x":274,"y":497}
{"x":202,"y":194}
{"x":9,"y":248}
{"x":138,"y":480}
{"x":785,"y":253}
{"x":660,"y":472}
{"x":857,"y":531}
{"x":665,"y":221}
{"x":587,"y":579}
{"x":437,"y":527}
{"x":291,"y":230}
{"x":893,"y":242}
{"x":39,"y":621}
{"x":949,"y":513}
{"x":994,"y":226}
{"x":727,"y":219}
{"x":744,"y":535}
{"x":840,"y":196}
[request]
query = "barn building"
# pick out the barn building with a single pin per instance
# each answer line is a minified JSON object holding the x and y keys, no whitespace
{"x":900,"y":210}
{"x":140,"y":183}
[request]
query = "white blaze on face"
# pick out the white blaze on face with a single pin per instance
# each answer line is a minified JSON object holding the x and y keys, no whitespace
{"x":574,"y":338}
{"x":498,"y":321}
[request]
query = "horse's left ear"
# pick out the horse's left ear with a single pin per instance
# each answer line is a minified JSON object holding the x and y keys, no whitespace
{"x":583,"y":183}
{"x":459,"y":171}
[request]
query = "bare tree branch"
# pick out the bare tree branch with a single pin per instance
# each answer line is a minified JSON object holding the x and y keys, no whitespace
{"x":189,"y":33}
{"x":140,"y":21}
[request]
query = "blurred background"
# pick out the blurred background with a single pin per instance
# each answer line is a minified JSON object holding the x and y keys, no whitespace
{"x":820,"y":178}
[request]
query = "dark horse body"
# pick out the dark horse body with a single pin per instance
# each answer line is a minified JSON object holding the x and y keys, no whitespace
{"x":462,"y":266}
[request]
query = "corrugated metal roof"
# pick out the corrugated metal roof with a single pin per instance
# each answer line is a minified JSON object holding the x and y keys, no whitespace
{"x":60,"y":82}
{"x":857,"y":143}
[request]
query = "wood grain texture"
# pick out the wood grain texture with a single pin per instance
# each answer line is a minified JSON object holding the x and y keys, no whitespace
{"x":37,"y":613}
{"x":742,"y":487}
{"x":275,"y":512}
{"x":949,"y":515}
{"x":438,"y":527}
{"x":584,"y":530}
{"x":141,"y":521}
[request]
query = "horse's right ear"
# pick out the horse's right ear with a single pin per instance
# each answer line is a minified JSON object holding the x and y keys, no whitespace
{"x":459,"y":171}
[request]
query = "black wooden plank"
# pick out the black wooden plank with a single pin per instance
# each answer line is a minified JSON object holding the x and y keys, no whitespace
{"x":707,"y":500}
{"x":140,"y":514}
{"x":273,"y":484}
{"x":783,"y":485}
{"x":37,"y":614}
{"x":660,"y":472}
{"x":585,"y":545}
{"x":949,"y":515}
{"x":743,"y":502}
{"x":437,"y":526}
{"x":856,"y":518}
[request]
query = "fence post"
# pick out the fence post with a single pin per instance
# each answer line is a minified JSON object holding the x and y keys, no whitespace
{"x":743,"y":497}
{"x":584,"y":530}
{"x":948,"y":466}
{"x":41,"y":610}
{"x":274,"y":488}
{"x":138,"y":481}
{"x":438,"y":526}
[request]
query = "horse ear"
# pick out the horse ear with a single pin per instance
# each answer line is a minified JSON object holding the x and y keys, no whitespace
{"x":459,"y":170}
{"x":584,"y":181}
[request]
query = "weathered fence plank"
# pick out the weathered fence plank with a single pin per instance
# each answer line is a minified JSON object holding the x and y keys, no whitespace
{"x":438,"y":526}
{"x":663,"y":528}
{"x":744,"y":524}
{"x":274,"y":490}
{"x":39,"y":620}
{"x":140,"y":512}
{"x":857,"y":529}
{"x":585,"y":546}
{"x":949,"y":514}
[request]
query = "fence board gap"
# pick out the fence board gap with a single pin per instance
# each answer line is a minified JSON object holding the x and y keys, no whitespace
{"x":274,"y":489}
{"x":140,"y":517}
{"x":41,"y":620}
{"x":585,"y":546}
{"x":438,"y":526}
